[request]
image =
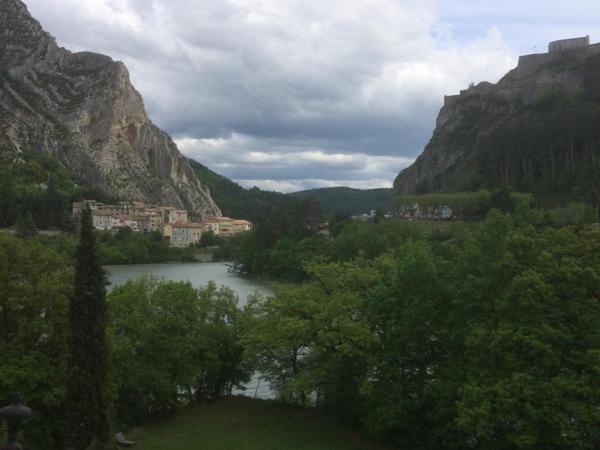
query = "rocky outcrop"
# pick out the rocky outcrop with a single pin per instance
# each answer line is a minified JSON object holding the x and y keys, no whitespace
{"x":83,"y":109}
{"x":452,"y":160}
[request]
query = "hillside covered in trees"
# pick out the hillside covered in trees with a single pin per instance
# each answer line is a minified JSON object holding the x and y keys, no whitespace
{"x":38,"y":186}
{"x":470,"y":335}
{"x":237,"y":201}
{"x":535,"y":131}
{"x":345,"y":200}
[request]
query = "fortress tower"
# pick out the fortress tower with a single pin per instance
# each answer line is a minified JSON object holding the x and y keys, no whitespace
{"x":567,"y":44}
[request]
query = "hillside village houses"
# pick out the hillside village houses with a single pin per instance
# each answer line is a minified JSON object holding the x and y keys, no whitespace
{"x":171,"y":222}
{"x":183,"y":234}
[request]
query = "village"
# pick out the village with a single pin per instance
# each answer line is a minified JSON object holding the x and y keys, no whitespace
{"x":173,"y":223}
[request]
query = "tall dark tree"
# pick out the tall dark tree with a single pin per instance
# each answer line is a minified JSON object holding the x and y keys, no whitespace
{"x":87,"y":420}
{"x":26,"y":227}
{"x":311,"y":211}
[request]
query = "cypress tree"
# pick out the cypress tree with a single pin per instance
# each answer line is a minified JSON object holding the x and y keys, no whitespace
{"x":87,"y":418}
{"x":26,"y":227}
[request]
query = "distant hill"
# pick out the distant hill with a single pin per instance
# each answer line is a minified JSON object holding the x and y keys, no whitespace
{"x":536,"y":130}
{"x":348,"y":200}
{"x":236,"y":201}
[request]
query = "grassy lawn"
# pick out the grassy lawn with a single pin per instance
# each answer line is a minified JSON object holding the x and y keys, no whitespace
{"x":245,"y":424}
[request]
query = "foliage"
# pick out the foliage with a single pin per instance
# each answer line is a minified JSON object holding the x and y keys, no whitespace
{"x":86,"y":402}
{"x":337,"y":222}
{"x":314,"y":338}
{"x":344,"y":200}
{"x":423,"y":334}
{"x":532,"y":361}
{"x":209,"y":238}
{"x":37,"y":186}
{"x":129,"y":247}
{"x":235,"y":201}
{"x":36,"y":284}
{"x":279,"y":243}
{"x":172,"y":344}
{"x":254,"y":203}
{"x":486,"y":340}
{"x":549,"y":146}
{"x":272,"y":250}
{"x":220,"y":351}
{"x":25,"y":227}
{"x":408,"y":310}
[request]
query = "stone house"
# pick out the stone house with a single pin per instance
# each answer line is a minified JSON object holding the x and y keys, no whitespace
{"x":183,"y":234}
{"x":101,"y":220}
{"x":174,"y":215}
{"x":226,"y":226}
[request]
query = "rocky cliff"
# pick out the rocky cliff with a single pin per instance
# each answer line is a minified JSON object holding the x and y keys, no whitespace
{"x":535,"y":130}
{"x":82,"y":109}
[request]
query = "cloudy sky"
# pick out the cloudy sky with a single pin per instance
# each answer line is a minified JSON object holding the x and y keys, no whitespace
{"x":289,"y":95}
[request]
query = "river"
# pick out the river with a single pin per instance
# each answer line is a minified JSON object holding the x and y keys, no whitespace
{"x":199,"y":274}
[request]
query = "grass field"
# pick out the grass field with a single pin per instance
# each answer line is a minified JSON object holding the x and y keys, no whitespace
{"x":245,"y":424}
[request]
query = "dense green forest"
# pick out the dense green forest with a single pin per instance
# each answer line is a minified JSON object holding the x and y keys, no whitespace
{"x":122,"y":247}
{"x":345,"y":200}
{"x":278,"y":248}
{"x":236,"y":201}
{"x":38,"y":187}
{"x":422,"y":335}
{"x":550,"y":148}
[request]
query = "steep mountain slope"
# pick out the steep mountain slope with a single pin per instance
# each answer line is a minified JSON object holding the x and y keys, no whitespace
{"x":235,"y":200}
{"x":348,"y":200}
{"x":82,"y":109}
{"x":537,"y":129}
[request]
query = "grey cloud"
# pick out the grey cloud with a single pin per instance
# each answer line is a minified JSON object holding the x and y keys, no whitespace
{"x":341,"y":77}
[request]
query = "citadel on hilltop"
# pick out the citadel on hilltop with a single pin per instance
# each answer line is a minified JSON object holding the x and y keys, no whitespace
{"x":522,"y":82}
{"x":171,"y":222}
{"x":533,"y":130}
{"x":568,"y":44}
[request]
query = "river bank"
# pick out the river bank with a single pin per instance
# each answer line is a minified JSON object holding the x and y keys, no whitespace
{"x":199,"y":274}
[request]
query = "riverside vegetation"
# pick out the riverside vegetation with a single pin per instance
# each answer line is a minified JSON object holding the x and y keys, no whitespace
{"x":479,"y":335}
{"x":462,"y":335}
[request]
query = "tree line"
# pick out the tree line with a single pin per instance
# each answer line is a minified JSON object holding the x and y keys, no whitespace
{"x":485,"y":340}
{"x":281,"y":243}
{"x":551,"y":146}
{"x":480,"y":335}
{"x":35,"y":188}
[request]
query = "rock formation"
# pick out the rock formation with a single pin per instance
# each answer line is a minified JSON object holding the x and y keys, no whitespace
{"x":452,"y":160}
{"x":82,"y":109}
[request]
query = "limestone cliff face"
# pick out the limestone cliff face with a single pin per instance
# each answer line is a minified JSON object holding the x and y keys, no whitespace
{"x":452,"y":160}
{"x":82,"y":109}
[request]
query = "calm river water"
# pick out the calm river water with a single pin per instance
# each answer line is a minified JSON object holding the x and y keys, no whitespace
{"x":198,"y":274}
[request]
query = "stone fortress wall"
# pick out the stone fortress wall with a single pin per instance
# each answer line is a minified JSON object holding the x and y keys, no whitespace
{"x":567,"y":44}
{"x":520,"y":82}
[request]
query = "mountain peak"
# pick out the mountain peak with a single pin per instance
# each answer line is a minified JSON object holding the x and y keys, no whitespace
{"x":83,"y":109}
{"x":22,"y":36}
